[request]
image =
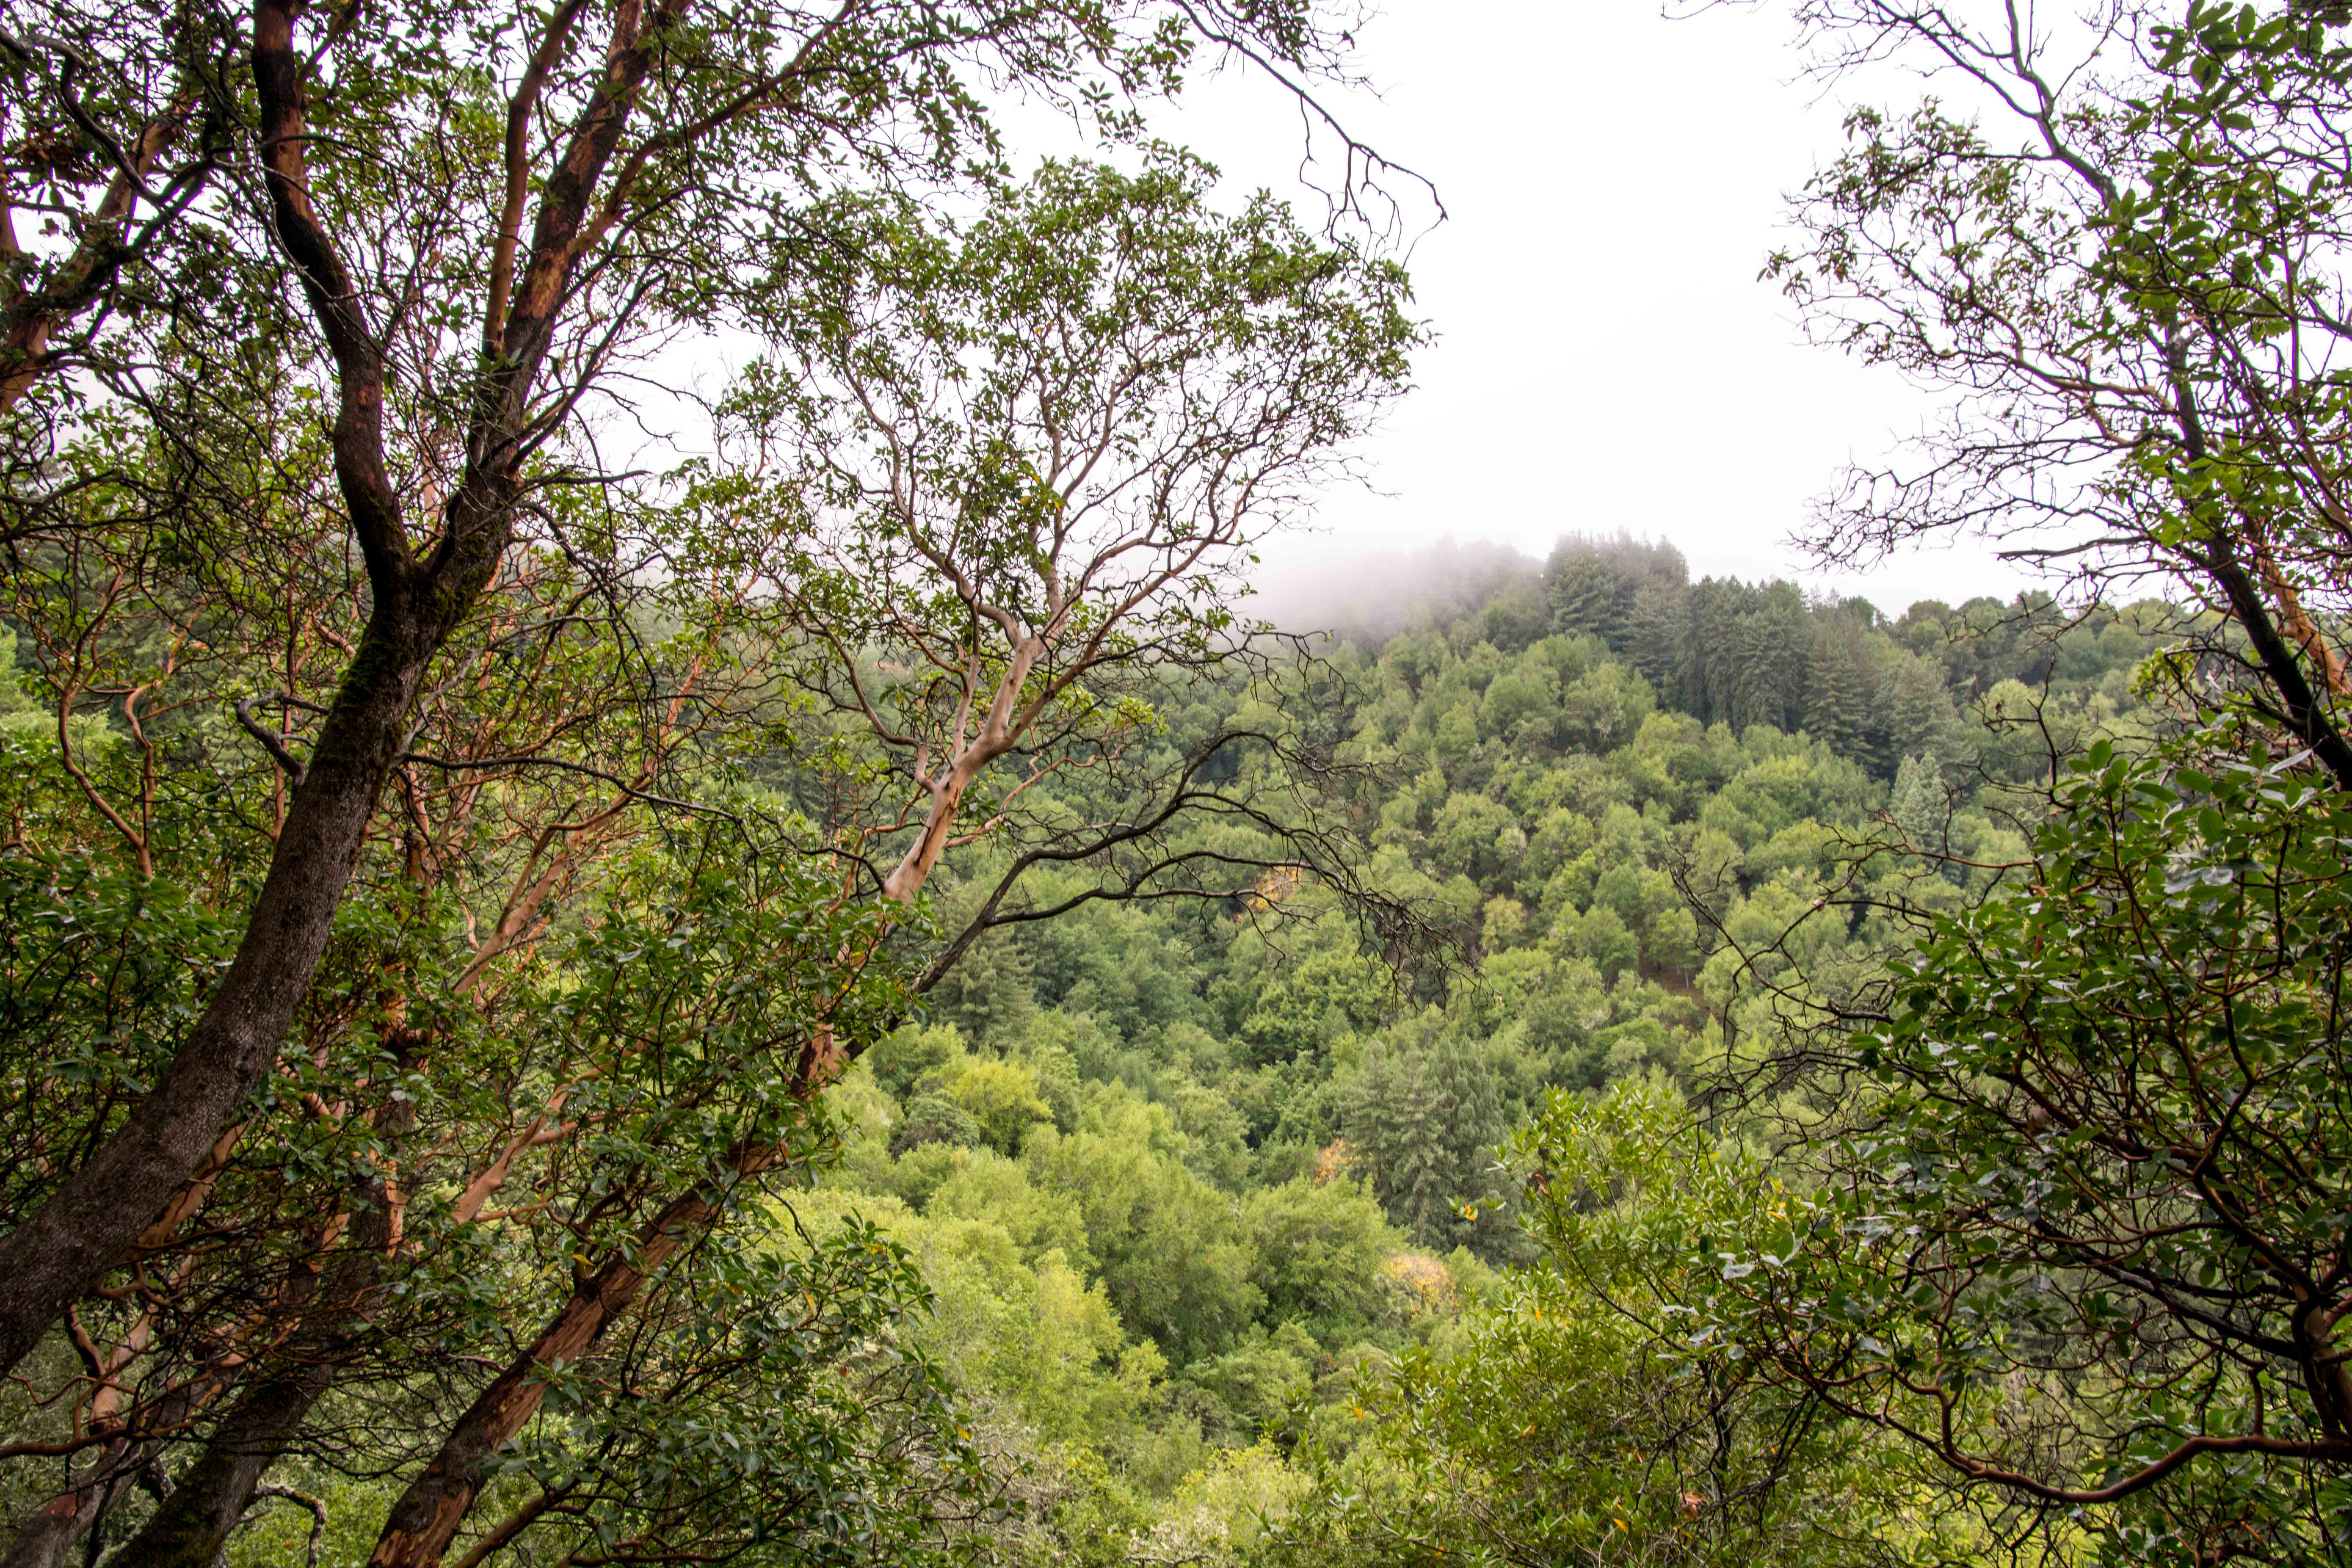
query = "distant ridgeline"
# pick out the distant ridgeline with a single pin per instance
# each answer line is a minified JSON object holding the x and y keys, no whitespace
{"x":1872,"y":688}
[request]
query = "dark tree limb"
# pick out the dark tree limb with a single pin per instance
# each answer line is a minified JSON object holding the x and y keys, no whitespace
{"x":85,"y":1227}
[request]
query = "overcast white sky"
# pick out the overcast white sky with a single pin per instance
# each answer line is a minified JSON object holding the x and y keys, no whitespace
{"x":1606,"y":357}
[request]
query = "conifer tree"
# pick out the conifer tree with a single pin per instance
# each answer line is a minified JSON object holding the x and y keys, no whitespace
{"x":1768,"y":651}
{"x":1838,"y":695}
{"x":1422,"y":1121}
{"x":1919,"y":805}
{"x":1916,"y":710}
{"x":1656,"y":632}
{"x":1585,"y":597}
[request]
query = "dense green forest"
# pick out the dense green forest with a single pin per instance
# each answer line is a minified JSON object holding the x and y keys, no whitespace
{"x":664,"y":905}
{"x":1228,"y":1171}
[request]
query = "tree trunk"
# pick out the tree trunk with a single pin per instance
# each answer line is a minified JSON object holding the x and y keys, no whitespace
{"x":189,"y":1529}
{"x":85,"y":1227}
{"x":50,"y":1532}
{"x":90,"y":1222}
{"x":424,"y":1521}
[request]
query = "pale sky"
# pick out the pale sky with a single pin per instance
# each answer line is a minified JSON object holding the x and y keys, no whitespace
{"x":1607,"y":358}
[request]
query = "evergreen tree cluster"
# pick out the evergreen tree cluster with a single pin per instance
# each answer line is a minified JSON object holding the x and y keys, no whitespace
{"x":1874,"y":690}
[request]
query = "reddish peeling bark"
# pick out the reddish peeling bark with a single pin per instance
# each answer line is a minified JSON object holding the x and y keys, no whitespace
{"x":63,"y":1249}
{"x":426,"y":1520}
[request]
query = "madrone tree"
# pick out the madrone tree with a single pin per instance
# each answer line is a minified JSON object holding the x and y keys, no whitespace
{"x":655,"y":867}
{"x":2089,"y":1251}
{"x":451,"y":861}
{"x":2116,"y":244}
{"x":389,"y":267}
{"x":1028,"y":461}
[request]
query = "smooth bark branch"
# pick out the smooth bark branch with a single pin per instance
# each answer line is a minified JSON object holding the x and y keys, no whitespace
{"x":361,"y":472}
{"x":998,"y":733}
{"x":2299,"y":624}
{"x":421,"y":1525}
{"x":28,"y":319}
{"x":518,"y":155}
{"x":2139,"y":1480}
{"x":2306,"y":713}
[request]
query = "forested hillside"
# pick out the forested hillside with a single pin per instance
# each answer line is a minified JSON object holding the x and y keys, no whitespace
{"x":1184,"y":1177}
